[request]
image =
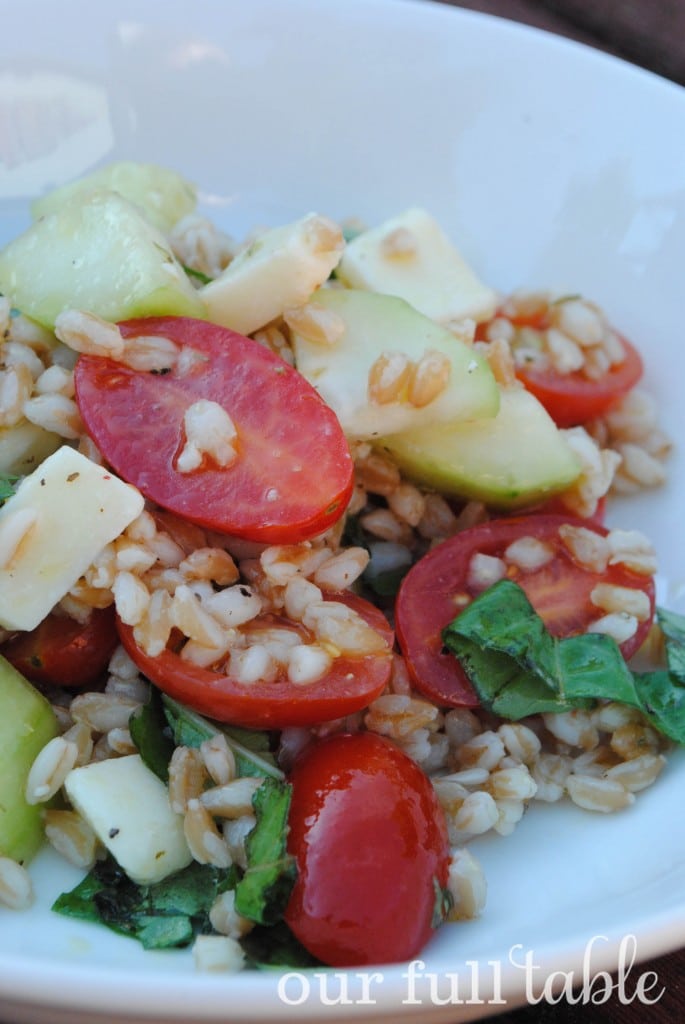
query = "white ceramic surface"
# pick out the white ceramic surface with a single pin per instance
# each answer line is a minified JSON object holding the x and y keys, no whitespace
{"x":550,"y":165}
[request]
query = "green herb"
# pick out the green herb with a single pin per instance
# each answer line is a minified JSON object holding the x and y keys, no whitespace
{"x":250,"y":746}
{"x":262,"y":893}
{"x":7,"y":486}
{"x":172,"y":912}
{"x":168,"y":914}
{"x":197,"y":275}
{"x":518,"y":668}
{"x":274,"y":947}
{"x":152,"y":736}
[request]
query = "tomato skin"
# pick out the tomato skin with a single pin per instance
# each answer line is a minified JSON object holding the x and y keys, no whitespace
{"x":293,"y":474}
{"x":63,"y":652}
{"x":372,"y":852}
{"x":559,"y":592}
{"x":572,"y":399}
{"x":351,"y":684}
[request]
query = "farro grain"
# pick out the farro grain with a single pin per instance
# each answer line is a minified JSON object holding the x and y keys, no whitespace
{"x":16,"y":889}
{"x":218,"y":759}
{"x":467,"y":886}
{"x":50,"y":769}
{"x":217,"y":954}
{"x":232,"y":799}
{"x":389,"y":378}
{"x":206,"y":843}
{"x":89,"y":334}
{"x":188,"y":776}
{"x":71,"y":836}
{"x":226,"y":920}
{"x":597,"y":794}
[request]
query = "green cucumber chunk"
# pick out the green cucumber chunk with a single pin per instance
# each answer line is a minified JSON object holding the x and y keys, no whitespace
{"x":513,"y":460}
{"x":372,"y":325}
{"x":95,"y":253}
{"x":162,"y":195}
{"x":27,"y":723}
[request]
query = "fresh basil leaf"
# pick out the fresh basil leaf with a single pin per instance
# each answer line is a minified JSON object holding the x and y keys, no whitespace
{"x":663,"y":701}
{"x":263,"y":892}
{"x":275,"y":947}
{"x":250,"y":747}
{"x":168,"y":914}
{"x":519,"y":669}
{"x":152,"y":736}
{"x":673,"y":627}
{"x":7,"y":487}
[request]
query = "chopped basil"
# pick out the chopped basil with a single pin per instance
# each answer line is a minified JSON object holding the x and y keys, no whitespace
{"x":174,"y":911}
{"x":262,"y":893}
{"x":168,"y":914}
{"x":250,"y":746}
{"x":7,"y":487}
{"x":152,"y":736}
{"x":518,"y":668}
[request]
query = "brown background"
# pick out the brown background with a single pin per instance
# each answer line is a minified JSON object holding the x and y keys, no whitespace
{"x":650,"y":33}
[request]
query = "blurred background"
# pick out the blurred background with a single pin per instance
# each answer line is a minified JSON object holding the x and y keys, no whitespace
{"x":650,"y":33}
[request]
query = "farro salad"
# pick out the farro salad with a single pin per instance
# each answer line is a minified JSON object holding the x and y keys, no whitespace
{"x":304,"y":577}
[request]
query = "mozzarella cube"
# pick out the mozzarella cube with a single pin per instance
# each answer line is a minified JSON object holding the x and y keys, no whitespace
{"x":128,"y":808}
{"x":279,"y":270}
{"x":410,"y":256}
{"x":66,"y":511}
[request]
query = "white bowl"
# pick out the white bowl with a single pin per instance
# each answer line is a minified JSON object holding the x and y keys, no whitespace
{"x":549,"y":165}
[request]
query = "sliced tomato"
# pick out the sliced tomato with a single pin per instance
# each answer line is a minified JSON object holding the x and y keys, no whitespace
{"x":63,"y":652}
{"x":293,"y":474}
{"x":372,"y":851}
{"x":351,"y":684}
{"x":437,"y":587}
{"x":572,"y":399}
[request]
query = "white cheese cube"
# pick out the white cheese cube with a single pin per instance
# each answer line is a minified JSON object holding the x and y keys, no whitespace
{"x":69,"y":508}
{"x":279,"y":270}
{"x":410,"y":256}
{"x":128,"y":808}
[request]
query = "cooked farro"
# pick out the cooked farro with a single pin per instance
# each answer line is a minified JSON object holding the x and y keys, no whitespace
{"x":261,"y":614}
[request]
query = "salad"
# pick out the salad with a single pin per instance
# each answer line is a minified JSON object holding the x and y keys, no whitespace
{"x":304,"y":577}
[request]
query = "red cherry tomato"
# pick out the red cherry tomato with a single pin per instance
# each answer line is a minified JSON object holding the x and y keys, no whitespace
{"x":572,"y":399}
{"x":63,"y":652}
{"x":372,"y":852}
{"x":350,"y":684}
{"x":437,"y":587}
{"x":292,"y":476}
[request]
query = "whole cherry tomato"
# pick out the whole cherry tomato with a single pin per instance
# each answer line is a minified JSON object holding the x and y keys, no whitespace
{"x":372,"y":852}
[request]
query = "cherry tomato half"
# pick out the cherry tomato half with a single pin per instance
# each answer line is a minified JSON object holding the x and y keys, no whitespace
{"x":437,"y":587}
{"x":63,"y":652}
{"x":372,"y":852}
{"x":292,"y":477}
{"x":351,"y":683}
{"x":572,"y":399}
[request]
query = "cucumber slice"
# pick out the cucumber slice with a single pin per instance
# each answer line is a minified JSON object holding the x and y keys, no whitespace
{"x":162,"y":195}
{"x":27,"y":723}
{"x":375,"y":324}
{"x":99,"y":254}
{"x":516,"y":459}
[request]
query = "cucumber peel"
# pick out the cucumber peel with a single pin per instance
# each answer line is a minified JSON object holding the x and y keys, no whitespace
{"x":27,"y":723}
